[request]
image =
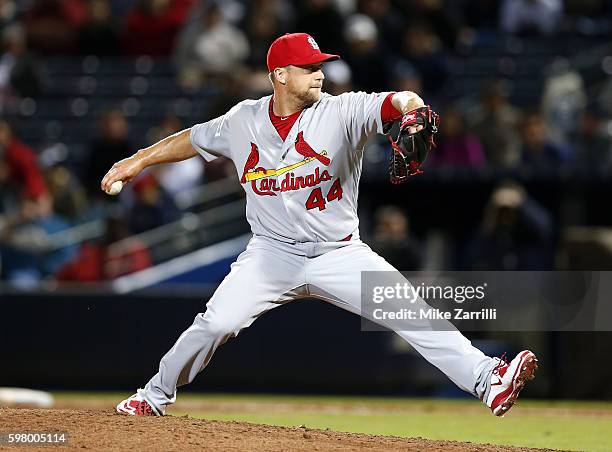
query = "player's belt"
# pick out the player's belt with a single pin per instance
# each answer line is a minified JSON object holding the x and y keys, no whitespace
{"x":254,"y":175}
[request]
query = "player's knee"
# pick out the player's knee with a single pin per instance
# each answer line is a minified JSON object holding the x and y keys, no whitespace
{"x":219,"y":327}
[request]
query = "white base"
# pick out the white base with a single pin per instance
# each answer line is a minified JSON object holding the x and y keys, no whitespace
{"x":25,"y":397}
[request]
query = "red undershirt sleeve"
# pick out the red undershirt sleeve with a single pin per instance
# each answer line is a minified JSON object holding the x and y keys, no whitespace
{"x":388,"y":112}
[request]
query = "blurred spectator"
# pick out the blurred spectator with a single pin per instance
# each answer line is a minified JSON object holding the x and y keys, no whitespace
{"x":69,"y":197}
{"x":153,"y":25}
{"x":531,"y":17}
{"x":592,"y":141}
{"x":590,"y":17}
{"x":8,"y":13}
{"x":123,"y":253}
{"x":153,"y":206}
{"x":86,"y":266}
{"x":538,"y":151}
{"x":29,"y":247}
{"x":364,"y":55}
{"x":99,"y":35}
{"x":563,"y":99}
{"x":321,"y":20}
{"x":404,"y":77}
{"x":5,"y":196}
{"x":390,"y":45}
{"x":120,"y":8}
{"x":481,"y":14}
{"x":434,"y":15}
{"x":169,"y":124}
{"x":497,"y":126}
{"x":265,"y":21}
{"x":27,"y":219}
{"x":116,"y":254}
{"x":219,"y":169}
{"x":52,"y":25}
{"x":604,"y":95}
{"x":423,"y":49}
{"x":516,"y":233}
{"x":338,"y":77}
{"x":233,"y":89}
{"x":389,"y":21}
{"x":456,"y":146}
{"x":22,"y":175}
{"x":392,"y":239}
{"x":345,"y":7}
{"x":20,"y":74}
{"x":213,"y":45}
{"x":257,"y":83}
{"x":179,"y":176}
{"x":109,"y":147}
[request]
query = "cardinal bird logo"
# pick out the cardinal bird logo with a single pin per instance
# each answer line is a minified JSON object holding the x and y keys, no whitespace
{"x":251,"y":162}
{"x":304,"y":149}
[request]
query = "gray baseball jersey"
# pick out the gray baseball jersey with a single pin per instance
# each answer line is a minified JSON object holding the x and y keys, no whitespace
{"x":301,"y":204}
{"x":305,"y":188}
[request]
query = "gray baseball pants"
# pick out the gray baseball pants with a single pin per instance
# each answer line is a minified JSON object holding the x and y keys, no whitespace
{"x":270,"y":273}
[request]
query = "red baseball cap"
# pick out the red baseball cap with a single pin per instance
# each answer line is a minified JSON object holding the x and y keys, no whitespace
{"x":298,"y":49}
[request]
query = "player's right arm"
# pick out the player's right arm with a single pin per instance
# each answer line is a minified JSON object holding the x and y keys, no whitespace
{"x":174,"y":148}
{"x":209,"y":139}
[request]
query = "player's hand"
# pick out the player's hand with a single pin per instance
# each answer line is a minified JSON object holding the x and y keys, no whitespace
{"x":415,"y":129}
{"x":125,"y":170}
{"x":415,"y":103}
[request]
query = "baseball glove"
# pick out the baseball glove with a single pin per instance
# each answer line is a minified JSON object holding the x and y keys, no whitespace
{"x":410,"y":149}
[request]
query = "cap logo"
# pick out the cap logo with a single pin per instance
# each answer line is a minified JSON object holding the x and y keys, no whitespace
{"x":313,"y":43}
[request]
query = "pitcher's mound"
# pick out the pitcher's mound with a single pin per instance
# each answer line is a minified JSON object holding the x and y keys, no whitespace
{"x":105,"y":430}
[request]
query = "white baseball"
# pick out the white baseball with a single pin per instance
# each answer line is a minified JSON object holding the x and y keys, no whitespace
{"x":115,"y":188}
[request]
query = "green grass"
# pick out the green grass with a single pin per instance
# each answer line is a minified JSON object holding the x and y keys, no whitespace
{"x":463,"y":420}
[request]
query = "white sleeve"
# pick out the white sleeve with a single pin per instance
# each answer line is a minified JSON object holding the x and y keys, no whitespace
{"x":211,"y":138}
{"x":360,"y":113}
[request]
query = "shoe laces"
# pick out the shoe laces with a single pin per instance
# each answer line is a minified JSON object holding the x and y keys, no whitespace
{"x":503,"y":361}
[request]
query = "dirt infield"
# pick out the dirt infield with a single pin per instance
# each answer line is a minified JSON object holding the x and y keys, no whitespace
{"x":186,"y":405}
{"x":105,"y":430}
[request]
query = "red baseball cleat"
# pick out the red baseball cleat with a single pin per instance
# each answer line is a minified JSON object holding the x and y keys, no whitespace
{"x":136,"y":406}
{"x":508,"y":379}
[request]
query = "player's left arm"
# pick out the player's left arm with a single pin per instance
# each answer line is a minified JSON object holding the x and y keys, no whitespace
{"x":366,"y":114}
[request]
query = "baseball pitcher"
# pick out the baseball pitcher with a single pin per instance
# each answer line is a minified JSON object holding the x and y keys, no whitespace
{"x":298,"y":155}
